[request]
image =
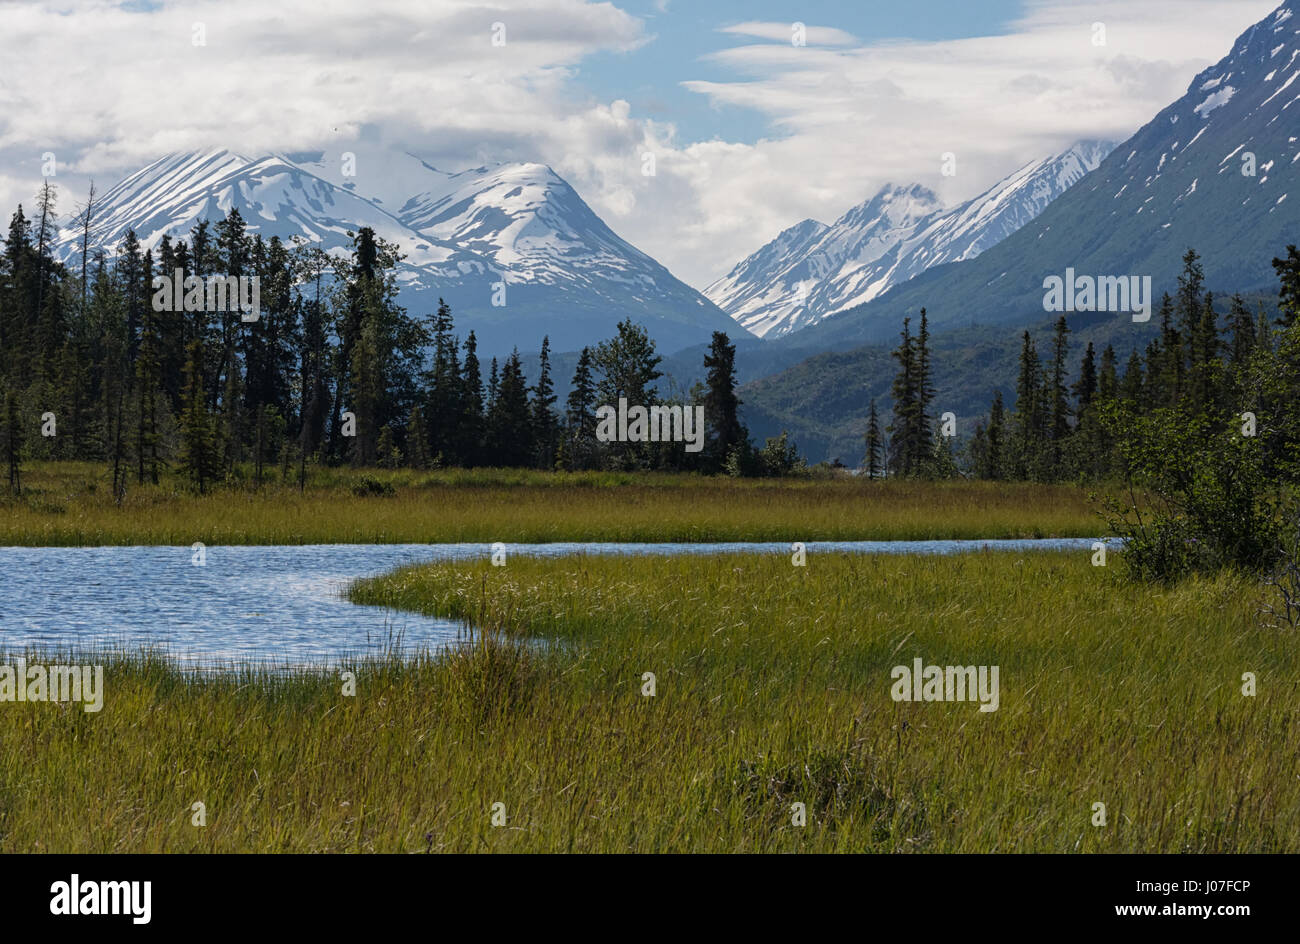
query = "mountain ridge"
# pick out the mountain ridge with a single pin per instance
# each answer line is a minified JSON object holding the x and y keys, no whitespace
{"x":512,"y":233}
{"x":812,"y":271}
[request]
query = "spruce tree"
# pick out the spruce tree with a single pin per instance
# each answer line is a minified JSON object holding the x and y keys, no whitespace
{"x":444,"y":384}
{"x":366,"y":387}
{"x":1203,"y":354}
{"x":1108,"y":377}
{"x":85,"y":218}
{"x":75,"y":400}
{"x":362,"y":268}
{"x":46,"y":229}
{"x":1263,"y":332}
{"x":469,"y":441}
{"x":311,"y":264}
{"x":1026,"y":458}
{"x":1085,"y":388}
{"x":490,"y":445}
{"x":510,"y":426}
{"x":1164,"y":368}
{"x":580,"y":415}
{"x":545,"y":425}
{"x":417,"y":442}
{"x":1056,"y":393}
{"x":146,"y":397}
{"x":387,"y":453}
{"x":18,"y":313}
{"x":130,"y":274}
{"x":628,"y":366}
{"x":198,"y":457}
{"x":904,"y":456}
{"x":721,"y":405}
{"x":978,"y":451}
{"x":1191,"y":283}
{"x":874,"y":459}
{"x":233,"y":420}
{"x":925,"y":390}
{"x":996,"y":437}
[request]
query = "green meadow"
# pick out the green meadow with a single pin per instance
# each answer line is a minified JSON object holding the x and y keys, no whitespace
{"x":72,"y":504}
{"x":771,"y":688}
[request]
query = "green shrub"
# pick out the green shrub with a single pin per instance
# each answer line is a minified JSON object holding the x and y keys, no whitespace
{"x":1213,"y":506}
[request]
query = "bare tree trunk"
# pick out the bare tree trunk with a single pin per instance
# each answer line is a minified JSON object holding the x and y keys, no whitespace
{"x":46,"y":203}
{"x":86,"y":216}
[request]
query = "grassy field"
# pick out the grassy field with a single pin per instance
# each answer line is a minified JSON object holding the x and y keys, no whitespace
{"x":772,"y":688}
{"x":71,"y":504}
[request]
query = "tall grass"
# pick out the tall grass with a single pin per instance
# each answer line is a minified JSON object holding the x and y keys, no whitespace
{"x":71,"y":504}
{"x":772,"y":688}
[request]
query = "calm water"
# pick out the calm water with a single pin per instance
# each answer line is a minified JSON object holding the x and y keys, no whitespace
{"x":283,"y":604}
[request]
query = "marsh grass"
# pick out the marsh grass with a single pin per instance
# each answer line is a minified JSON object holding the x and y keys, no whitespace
{"x":772,"y":687}
{"x":72,"y":504}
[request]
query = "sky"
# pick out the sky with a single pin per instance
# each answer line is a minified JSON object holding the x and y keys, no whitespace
{"x":750,"y":129}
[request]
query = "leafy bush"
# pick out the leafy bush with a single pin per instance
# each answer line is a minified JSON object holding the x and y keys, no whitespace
{"x":779,"y":458}
{"x":1212,"y":505}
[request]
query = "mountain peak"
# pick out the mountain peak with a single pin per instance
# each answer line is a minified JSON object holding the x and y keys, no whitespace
{"x":811,"y":271}
{"x":909,"y":197}
{"x":861,"y":231}
{"x":1092,"y":150}
{"x":918,"y":191}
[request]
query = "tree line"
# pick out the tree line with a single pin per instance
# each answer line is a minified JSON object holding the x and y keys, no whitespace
{"x":336,"y":371}
{"x":333,"y":370}
{"x":1210,"y":367}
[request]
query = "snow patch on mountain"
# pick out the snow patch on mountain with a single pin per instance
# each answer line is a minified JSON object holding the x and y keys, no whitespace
{"x":1216,"y":100}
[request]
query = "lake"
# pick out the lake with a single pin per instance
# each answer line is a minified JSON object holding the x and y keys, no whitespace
{"x":285,"y":604}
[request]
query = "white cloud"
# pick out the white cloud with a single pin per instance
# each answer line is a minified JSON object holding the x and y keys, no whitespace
{"x":786,"y":33}
{"x":108,"y":90}
{"x":849,"y":120}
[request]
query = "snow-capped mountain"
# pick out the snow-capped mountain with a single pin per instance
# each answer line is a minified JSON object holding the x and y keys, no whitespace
{"x":533,"y":225}
{"x":464,"y":235}
{"x":1214,"y":171}
{"x":811,"y":270}
{"x":758,"y":291}
{"x":273,"y":195}
{"x":986,"y":220}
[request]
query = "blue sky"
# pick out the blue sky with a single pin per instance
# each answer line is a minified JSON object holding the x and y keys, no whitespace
{"x":686,"y":34}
